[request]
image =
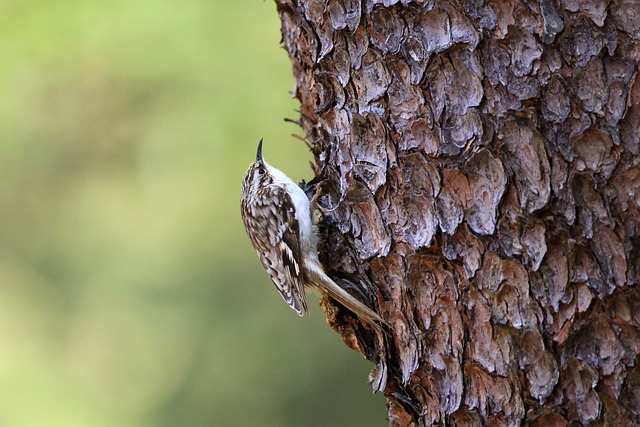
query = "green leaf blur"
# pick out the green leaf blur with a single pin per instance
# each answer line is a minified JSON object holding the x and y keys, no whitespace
{"x":129,"y":293}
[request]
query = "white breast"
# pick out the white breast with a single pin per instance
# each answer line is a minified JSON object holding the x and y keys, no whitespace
{"x":308,"y":238}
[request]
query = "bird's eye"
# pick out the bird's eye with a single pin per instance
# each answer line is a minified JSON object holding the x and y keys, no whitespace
{"x":261,"y":171}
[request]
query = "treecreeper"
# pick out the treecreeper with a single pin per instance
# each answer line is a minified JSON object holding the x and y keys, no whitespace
{"x":277,"y":217}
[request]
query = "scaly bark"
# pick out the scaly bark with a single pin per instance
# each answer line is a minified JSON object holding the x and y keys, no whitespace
{"x":482,"y":187}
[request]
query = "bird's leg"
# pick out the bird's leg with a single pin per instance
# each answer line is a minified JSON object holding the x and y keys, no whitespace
{"x":314,"y":200}
{"x":312,"y":190}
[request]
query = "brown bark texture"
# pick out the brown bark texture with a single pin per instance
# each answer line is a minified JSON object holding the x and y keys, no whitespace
{"x":482,"y":189}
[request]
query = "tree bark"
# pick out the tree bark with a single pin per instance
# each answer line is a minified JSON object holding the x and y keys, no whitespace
{"x":482,"y":190}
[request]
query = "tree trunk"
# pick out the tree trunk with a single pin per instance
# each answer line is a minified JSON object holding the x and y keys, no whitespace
{"x":482,"y":189}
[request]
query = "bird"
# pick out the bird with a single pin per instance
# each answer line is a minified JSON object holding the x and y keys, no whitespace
{"x":277,"y":217}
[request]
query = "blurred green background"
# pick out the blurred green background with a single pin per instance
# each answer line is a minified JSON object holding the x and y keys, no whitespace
{"x":129,"y":293}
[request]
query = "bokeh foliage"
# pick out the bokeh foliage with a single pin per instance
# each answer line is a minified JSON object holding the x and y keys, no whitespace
{"x":129,"y":294}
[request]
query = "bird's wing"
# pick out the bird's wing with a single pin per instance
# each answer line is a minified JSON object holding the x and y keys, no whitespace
{"x":282,"y":257}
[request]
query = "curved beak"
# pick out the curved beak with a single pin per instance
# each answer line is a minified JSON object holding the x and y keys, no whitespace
{"x":259,"y":153}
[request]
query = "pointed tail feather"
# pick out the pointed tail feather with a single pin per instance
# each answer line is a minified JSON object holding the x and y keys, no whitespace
{"x":325,"y":284}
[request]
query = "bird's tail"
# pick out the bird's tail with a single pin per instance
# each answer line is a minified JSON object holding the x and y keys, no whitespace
{"x":325,"y":284}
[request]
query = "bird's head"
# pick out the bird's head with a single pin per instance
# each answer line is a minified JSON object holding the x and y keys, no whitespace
{"x":259,"y":173}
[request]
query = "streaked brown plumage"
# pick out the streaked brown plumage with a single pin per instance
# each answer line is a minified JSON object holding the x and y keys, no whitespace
{"x":277,"y":218}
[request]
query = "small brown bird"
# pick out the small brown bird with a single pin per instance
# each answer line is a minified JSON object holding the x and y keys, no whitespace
{"x":277,"y":217}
